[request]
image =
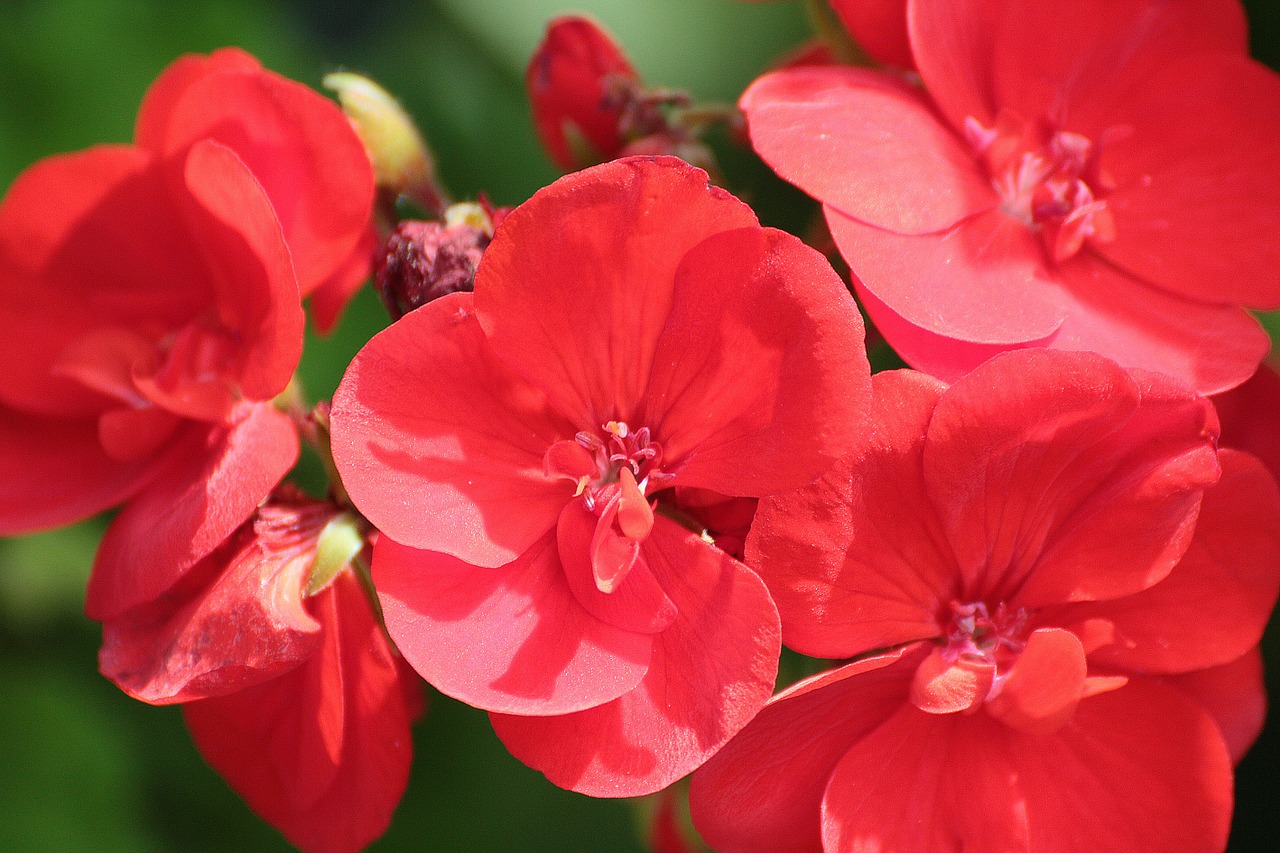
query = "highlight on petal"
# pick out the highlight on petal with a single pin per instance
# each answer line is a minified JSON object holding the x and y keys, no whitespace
{"x":322,"y":752}
{"x":579,"y":316}
{"x":691,"y":700}
{"x":212,"y":480}
{"x":948,"y":687}
{"x":763,"y":792}
{"x":857,"y":559}
{"x":984,"y":281}
{"x":759,"y":378}
{"x":511,"y":639}
{"x":867,"y":145}
{"x":1041,"y":692}
{"x":451,"y":458}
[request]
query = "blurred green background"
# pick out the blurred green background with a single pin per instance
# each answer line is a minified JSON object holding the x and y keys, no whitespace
{"x":82,"y":767}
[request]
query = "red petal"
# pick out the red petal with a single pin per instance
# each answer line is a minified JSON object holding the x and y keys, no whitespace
{"x":172,"y":83}
{"x":879,"y":26}
{"x":943,"y":687}
{"x":256,"y":293}
{"x":580,"y":315}
{"x":762,"y":793}
{"x":1213,"y":606}
{"x":298,"y":145}
{"x":451,"y":458}
{"x":1139,"y":492}
{"x":983,"y":282}
{"x":212,"y":480}
{"x":952,"y":42}
{"x":759,"y":378}
{"x":1212,"y":347}
{"x":867,"y":145}
{"x":54,"y":472}
{"x":1041,"y":692}
{"x":1140,"y":768}
{"x":1193,"y":212}
{"x":639,"y":603}
{"x":330,"y":299}
{"x":1064,"y":62}
{"x":1234,"y":694}
{"x":946,"y":358}
{"x":857,"y":561}
{"x":923,"y":782}
{"x":1249,"y":414}
{"x":237,"y":619}
{"x":323,"y":752}
{"x":1046,"y":466}
{"x":79,"y":252}
{"x":711,"y":671}
{"x":511,"y":639}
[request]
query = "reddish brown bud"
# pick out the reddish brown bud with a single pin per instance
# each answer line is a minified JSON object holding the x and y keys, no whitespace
{"x":426,"y":260}
{"x":577,"y":81}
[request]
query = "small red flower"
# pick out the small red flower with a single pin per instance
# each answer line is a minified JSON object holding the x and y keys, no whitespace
{"x":1052,"y":585}
{"x":632,"y":332}
{"x":1083,"y":175}
{"x":292,"y":691}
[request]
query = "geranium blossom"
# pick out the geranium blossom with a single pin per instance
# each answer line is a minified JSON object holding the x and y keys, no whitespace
{"x":1084,"y":175}
{"x":149,"y":310}
{"x":294,"y":694}
{"x":1053,"y":586}
{"x":632,"y":331}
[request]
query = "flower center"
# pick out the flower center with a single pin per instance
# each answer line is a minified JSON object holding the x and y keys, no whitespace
{"x":1048,"y":179}
{"x":615,"y":449}
{"x":976,"y":635}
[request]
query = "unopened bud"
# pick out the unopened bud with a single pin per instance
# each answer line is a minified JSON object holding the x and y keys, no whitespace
{"x":576,"y":82}
{"x":402,"y":162}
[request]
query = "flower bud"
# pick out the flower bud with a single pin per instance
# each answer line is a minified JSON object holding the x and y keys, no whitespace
{"x":402,"y":162}
{"x":577,"y":82}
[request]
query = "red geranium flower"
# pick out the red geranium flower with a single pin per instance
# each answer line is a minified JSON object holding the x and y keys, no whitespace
{"x":632,"y":330}
{"x":1065,"y":574}
{"x":294,"y":694}
{"x":1086,"y":175}
{"x":149,"y":306}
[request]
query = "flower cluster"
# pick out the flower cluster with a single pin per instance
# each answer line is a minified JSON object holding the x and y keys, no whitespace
{"x":621,"y":442}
